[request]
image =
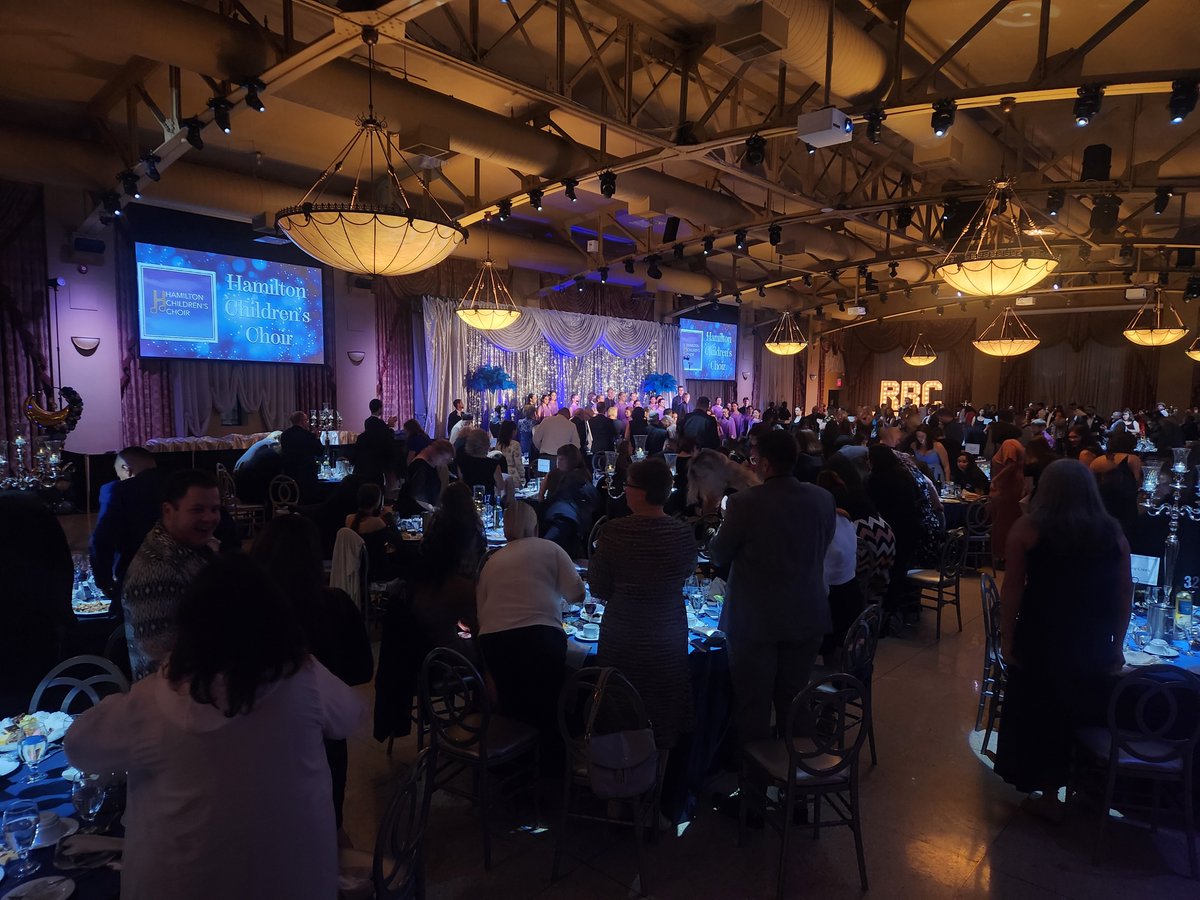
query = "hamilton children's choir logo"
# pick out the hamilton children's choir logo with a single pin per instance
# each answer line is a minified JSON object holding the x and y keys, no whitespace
{"x":177,"y":304}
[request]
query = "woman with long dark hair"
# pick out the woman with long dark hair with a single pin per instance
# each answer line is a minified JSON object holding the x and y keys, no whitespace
{"x":510,"y":449}
{"x":374,"y":525}
{"x":289,"y":550}
{"x":1064,"y":608}
{"x":229,"y":789}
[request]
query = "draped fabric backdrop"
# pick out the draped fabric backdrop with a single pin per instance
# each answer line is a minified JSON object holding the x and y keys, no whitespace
{"x":544,"y":350}
{"x":24,"y":329}
{"x":201,"y":386}
{"x":394,"y":332}
{"x":872,"y":354}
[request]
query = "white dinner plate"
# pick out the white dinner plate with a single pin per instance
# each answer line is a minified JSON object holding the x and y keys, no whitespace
{"x":55,"y":887}
{"x":1138,"y":658}
{"x":1161,"y":649}
{"x":8,"y":765}
{"x":66,"y":825}
{"x":570,"y":629}
{"x":53,"y":724}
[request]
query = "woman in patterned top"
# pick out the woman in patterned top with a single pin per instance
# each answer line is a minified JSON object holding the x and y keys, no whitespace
{"x":639,"y":569}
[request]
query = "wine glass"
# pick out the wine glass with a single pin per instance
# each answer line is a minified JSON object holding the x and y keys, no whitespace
{"x":20,"y":831}
{"x":31,"y":750}
{"x":87,"y":796}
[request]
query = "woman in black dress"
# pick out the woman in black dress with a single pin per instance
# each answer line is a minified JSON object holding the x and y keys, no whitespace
{"x":1064,"y":607}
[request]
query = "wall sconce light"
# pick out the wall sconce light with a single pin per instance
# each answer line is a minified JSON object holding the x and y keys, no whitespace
{"x":356,"y":357}
{"x":85,"y":346}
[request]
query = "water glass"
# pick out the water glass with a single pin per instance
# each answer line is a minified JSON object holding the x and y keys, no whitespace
{"x":31,"y":750}
{"x":20,"y":831}
{"x":87,"y":796}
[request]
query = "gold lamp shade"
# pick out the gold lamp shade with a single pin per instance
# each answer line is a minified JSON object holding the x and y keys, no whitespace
{"x":487,"y":304}
{"x":1156,"y":324}
{"x":992,"y":257}
{"x":1193,"y":350}
{"x":919,"y":354}
{"x":1007,"y":336}
{"x":377,"y":231}
{"x":786,"y":338}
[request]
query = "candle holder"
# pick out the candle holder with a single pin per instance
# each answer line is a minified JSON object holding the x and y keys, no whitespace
{"x":1174,"y":509}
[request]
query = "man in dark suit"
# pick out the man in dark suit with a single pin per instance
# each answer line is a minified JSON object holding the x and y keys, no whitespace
{"x":129,"y":507}
{"x":375,"y":450}
{"x":603,"y":429}
{"x":455,"y":416}
{"x":678,"y":404}
{"x":300,"y":449}
{"x":701,"y":427}
{"x":656,"y":437}
{"x":774,"y":538}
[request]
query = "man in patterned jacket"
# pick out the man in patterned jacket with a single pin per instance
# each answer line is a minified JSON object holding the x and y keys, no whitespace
{"x":171,"y":556}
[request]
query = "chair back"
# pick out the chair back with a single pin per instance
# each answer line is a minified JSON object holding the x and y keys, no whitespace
{"x":284,"y":494}
{"x":990,"y":596}
{"x":349,"y":571}
{"x":858,"y":648}
{"x":978,"y":518}
{"x":227,"y":485}
{"x":610,"y":707}
{"x":954,"y":554}
{"x":398,"y":867}
{"x":595,"y":535}
{"x":454,"y":700}
{"x":1154,"y":715}
{"x":827,"y":723}
{"x":86,"y":678}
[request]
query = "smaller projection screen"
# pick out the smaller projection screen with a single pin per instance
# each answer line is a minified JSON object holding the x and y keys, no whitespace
{"x":708,"y":349}
{"x":196,"y":304}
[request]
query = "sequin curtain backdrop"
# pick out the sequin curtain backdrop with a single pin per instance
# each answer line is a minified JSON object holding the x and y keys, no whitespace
{"x":543,"y":369}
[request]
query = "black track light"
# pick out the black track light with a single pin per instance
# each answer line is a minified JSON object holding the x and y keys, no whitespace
{"x":580,"y":281}
{"x":1106,"y":213}
{"x":129,"y":184}
{"x":941,"y":310}
{"x":812,"y":151}
{"x":893,"y":268}
{"x":194,"y":127}
{"x":1055,"y":198}
{"x":1085,"y":254}
{"x":652,"y":269}
{"x":111,"y":201}
{"x":874,"y":117}
{"x":739,"y":238}
{"x":1056,"y":283}
{"x":819,"y":312}
{"x":253,"y":86}
{"x":756,"y":150}
{"x":948,"y":209}
{"x":569,"y":185}
{"x":1162,"y":196}
{"x":807,"y":279}
{"x":934,"y":288}
{"x":1164,"y":279}
{"x":904,"y":217}
{"x":1093,"y":278}
{"x":608,"y":184}
{"x":1126,"y":251}
{"x":835,"y":274}
{"x":737,"y":297}
{"x":150,"y":161}
{"x":1192,"y":291}
{"x":1183,"y":100}
{"x":762,"y":291}
{"x":677,"y":251}
{"x":708,"y":245}
{"x":220,"y":107}
{"x":535,"y":199}
{"x":628,"y":266}
{"x":962,"y":305}
{"x":774,"y":234}
{"x":1008,"y":104}
{"x":987,"y":302}
{"x":841,"y":305}
{"x":1087,"y":105}
{"x":503,"y":210}
{"x":883,"y":297}
{"x":603,"y":273}
{"x":1129,"y":278}
{"x":943,"y":116}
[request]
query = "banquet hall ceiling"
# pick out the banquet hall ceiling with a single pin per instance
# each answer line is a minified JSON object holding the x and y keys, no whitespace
{"x":493,"y":98}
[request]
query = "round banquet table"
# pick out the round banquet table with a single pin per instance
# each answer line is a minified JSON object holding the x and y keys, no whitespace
{"x":53,"y":793}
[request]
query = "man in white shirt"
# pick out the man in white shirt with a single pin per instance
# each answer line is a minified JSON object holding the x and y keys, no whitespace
{"x":554,"y":431}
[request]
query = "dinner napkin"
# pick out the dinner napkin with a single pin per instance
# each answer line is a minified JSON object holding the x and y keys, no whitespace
{"x":1138,"y":658}
{"x":87,"y":851}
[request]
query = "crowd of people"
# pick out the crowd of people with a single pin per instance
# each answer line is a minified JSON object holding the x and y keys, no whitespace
{"x":808,"y":518}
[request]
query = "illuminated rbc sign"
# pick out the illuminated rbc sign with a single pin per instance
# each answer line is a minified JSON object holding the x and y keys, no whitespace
{"x":898,"y":393}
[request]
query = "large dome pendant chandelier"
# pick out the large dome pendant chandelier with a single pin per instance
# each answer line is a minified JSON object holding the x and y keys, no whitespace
{"x":1193,"y":350}
{"x":488,"y":304}
{"x":919,"y":354}
{"x":1006,"y":336}
{"x":1154,"y":327}
{"x":992,"y":258}
{"x":376,"y":232}
{"x":786,"y":338}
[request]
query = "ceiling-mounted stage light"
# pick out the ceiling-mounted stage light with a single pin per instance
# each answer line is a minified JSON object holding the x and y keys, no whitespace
{"x":111,"y":201}
{"x":934,"y":288}
{"x":628,"y":266}
{"x":762,"y":291}
{"x":774,"y":234}
{"x":603,"y":273}
{"x":150,"y":162}
{"x":1192,"y":291}
{"x":608,"y":184}
{"x":739,"y":238}
{"x":652,"y":269}
{"x":569,"y":185}
{"x":708,"y":245}
{"x":737,"y":297}
{"x":1164,"y":278}
{"x":580,"y":281}
{"x":677,"y":251}
{"x":941,"y":310}
{"x":883,"y":298}
{"x":193,"y":128}
{"x":756,"y":150}
{"x":1162,"y":196}
{"x":253,"y":86}
{"x":1087,"y":106}
{"x":904,"y":217}
{"x":129,"y":184}
{"x":942,"y":119}
{"x":1008,"y":104}
{"x":535,"y":199}
{"x":874,"y":117}
{"x":812,"y":151}
{"x":893,"y":268}
{"x":807,"y":279}
{"x":220,"y":107}
{"x":1085,"y":254}
{"x":503,"y":210}
{"x":1182,"y":100}
{"x":841,"y":305}
{"x":1055,"y":198}
{"x":1106,"y":213}
{"x":819,"y":312}
{"x":1126,"y":252}
{"x":1056,"y":283}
